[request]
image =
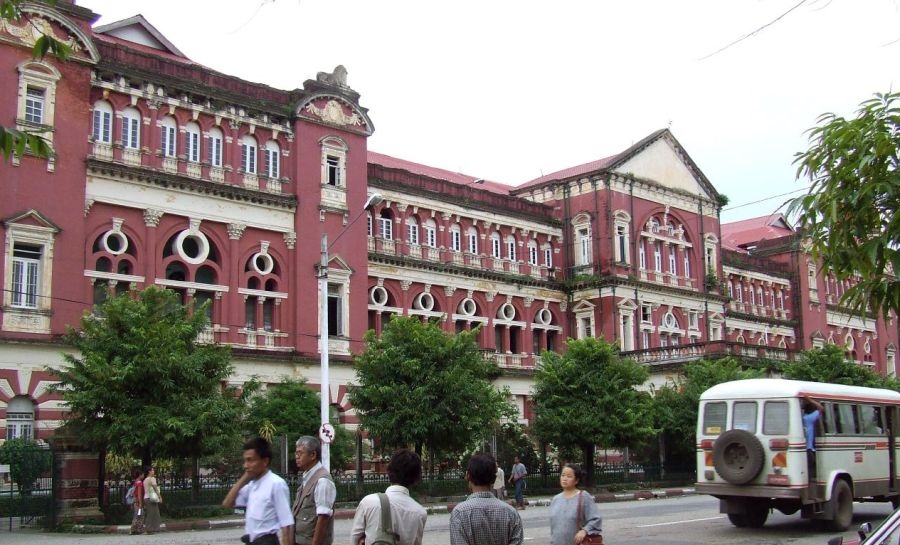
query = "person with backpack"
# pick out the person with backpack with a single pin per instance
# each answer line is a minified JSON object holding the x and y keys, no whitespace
{"x":135,"y":499}
{"x":392,"y":518}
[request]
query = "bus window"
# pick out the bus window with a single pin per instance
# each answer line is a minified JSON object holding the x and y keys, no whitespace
{"x":827,"y":421}
{"x":870,"y":417}
{"x":845,"y":419}
{"x":744,"y":416}
{"x":714,"y":418}
{"x":775,"y":418}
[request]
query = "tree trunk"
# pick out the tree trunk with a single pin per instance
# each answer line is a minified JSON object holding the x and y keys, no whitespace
{"x":195,"y":480}
{"x":146,"y":458}
{"x":662,"y":456}
{"x":359,"y":463}
{"x":588,"y":450}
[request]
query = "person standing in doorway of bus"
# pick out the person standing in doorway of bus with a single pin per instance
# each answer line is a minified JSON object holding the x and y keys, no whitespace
{"x":812,"y":413}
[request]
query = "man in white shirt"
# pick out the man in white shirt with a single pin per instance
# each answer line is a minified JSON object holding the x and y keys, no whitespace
{"x":407,"y":516}
{"x":314,"y":504}
{"x":500,"y":484}
{"x":265,"y":497}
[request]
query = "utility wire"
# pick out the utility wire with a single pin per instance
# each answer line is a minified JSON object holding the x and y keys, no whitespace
{"x":764,"y":199}
{"x":755,"y":32}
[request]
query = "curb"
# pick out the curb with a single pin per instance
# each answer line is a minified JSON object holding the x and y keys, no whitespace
{"x":433,"y":509}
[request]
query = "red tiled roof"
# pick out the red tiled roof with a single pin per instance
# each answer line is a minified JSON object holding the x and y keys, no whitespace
{"x":571,"y":171}
{"x":739,"y":233}
{"x":433,"y":172}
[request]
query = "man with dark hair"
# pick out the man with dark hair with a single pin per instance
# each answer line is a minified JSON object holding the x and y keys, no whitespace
{"x":483,"y":519}
{"x":407,"y":516}
{"x":517,"y":477}
{"x":265,"y":497}
{"x":314,"y":504}
{"x":812,"y":414}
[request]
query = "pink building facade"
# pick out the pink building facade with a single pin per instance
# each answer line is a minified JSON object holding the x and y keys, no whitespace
{"x":167,"y":173}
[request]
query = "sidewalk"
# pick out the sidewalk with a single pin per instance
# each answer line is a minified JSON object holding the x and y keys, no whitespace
{"x":432,"y":509}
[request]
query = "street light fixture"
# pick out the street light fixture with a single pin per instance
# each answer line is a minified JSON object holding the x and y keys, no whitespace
{"x":326,"y":431}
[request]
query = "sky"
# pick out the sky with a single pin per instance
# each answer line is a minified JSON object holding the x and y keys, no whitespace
{"x":508,"y":90}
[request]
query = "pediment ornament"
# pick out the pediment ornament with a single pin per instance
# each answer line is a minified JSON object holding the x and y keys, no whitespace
{"x":334,"y":114}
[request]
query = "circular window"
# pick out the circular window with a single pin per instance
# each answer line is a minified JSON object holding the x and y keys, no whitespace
{"x":193,"y":248}
{"x":115,"y":242}
{"x":544,"y":316}
{"x":506,"y":312}
{"x":867,"y":347}
{"x":424,"y":301}
{"x":378,"y":296}
{"x":467,"y":307}
{"x":262,"y":263}
{"x":670,"y":321}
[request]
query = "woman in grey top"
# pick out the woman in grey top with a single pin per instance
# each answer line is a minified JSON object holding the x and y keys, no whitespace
{"x":564,"y":520}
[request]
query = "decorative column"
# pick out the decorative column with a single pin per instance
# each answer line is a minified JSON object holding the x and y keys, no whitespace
{"x":235,"y":232}
{"x":152,"y":217}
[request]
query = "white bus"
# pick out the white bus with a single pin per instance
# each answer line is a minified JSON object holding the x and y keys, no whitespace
{"x":751,"y":450}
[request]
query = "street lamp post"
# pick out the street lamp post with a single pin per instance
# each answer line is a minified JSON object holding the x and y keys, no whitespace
{"x":326,"y":432}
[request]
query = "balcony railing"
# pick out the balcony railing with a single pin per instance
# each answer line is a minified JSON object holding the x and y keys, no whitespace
{"x":713,"y":349}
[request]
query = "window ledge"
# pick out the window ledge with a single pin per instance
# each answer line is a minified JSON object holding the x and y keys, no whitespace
{"x":26,"y":320}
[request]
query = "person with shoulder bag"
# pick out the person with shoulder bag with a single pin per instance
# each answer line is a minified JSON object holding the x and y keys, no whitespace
{"x":392,"y":518}
{"x":135,"y":498}
{"x":152,"y":499}
{"x":574,"y":517}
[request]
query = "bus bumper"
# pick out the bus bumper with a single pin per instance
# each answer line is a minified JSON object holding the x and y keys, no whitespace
{"x":723,"y":490}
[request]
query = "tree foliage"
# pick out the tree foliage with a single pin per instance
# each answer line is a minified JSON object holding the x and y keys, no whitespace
{"x":829,"y":364}
{"x":588,"y":396}
{"x":676,"y":403}
{"x":292,"y":408}
{"x":14,"y":141}
{"x":27,"y":462}
{"x":140,"y":384}
{"x":422,"y":387}
{"x":849,"y":212}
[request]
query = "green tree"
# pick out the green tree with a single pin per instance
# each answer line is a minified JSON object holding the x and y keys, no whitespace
{"x":12,"y":140}
{"x":422,"y":387}
{"x":849,"y":214}
{"x":588,"y":396}
{"x":292,"y":408}
{"x":141,"y":385}
{"x":676,"y":404}
{"x":830,"y":364}
{"x":27,"y":462}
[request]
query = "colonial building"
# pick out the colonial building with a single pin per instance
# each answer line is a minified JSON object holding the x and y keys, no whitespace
{"x":168,"y":173}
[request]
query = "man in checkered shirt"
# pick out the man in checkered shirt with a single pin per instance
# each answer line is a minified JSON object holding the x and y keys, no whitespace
{"x":483,"y":519}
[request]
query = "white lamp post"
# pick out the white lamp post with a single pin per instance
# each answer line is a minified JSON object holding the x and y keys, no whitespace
{"x":326,"y":431}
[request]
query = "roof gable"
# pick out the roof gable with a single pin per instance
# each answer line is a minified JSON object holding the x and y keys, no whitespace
{"x":661,"y":159}
{"x":137,"y":30}
{"x":31,"y":217}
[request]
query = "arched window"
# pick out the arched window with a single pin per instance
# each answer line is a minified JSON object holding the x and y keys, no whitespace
{"x":548,"y":254}
{"x":248,"y":154}
{"x":20,"y":418}
{"x":511,"y":247}
{"x":752,"y":295}
{"x":102,"y":129}
{"x":730,"y":289}
{"x":412,"y":230}
{"x":272,"y":155}
{"x":623,"y":242}
{"x":386,"y":224}
{"x":472,"y":240}
{"x":533,"y":252}
{"x":495,"y":245}
{"x":192,"y":142}
{"x":582,"y":230}
{"x":759,"y":296}
{"x":131,"y":128}
{"x":214,"y":147}
{"x":455,"y":238}
{"x":430,"y":233}
{"x":168,"y":136}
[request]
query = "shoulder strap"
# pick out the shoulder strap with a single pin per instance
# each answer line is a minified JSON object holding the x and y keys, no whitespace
{"x":385,"y":524}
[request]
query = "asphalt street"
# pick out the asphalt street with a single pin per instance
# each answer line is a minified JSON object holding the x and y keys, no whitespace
{"x":685,"y":520}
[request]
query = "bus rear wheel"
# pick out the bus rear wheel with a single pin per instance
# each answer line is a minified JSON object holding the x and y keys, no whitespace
{"x":755,"y":517}
{"x":841,"y":506}
{"x":737,"y":519}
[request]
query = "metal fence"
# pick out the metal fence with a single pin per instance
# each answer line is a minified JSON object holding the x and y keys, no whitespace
{"x":28,"y":504}
{"x":182,"y":493}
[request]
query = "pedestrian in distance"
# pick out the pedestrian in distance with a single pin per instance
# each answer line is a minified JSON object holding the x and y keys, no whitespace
{"x":500,"y":484}
{"x":517,"y":477}
{"x":152,"y":499}
{"x":573,"y":513}
{"x":314,"y":504}
{"x":482,"y":519}
{"x":136,"y":497}
{"x":407,"y":517}
{"x":264,"y":496}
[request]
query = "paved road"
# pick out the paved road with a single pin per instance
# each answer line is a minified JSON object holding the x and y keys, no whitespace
{"x":687,"y":520}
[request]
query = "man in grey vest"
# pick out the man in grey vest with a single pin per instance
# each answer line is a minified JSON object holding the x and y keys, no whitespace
{"x":314,"y":505}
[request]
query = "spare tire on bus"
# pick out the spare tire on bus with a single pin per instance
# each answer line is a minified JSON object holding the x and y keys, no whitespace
{"x":738,"y":456}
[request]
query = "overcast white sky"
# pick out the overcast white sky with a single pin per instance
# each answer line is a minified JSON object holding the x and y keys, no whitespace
{"x":510,"y":89}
